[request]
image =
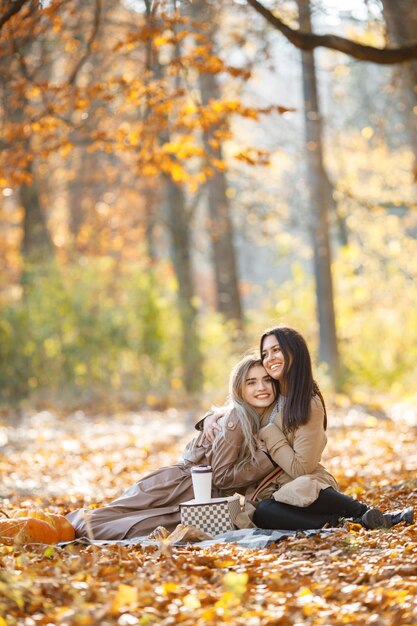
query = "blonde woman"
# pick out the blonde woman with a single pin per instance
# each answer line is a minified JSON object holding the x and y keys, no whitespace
{"x":237,"y":458}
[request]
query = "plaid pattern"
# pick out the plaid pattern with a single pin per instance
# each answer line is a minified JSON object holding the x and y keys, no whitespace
{"x":212,"y":517}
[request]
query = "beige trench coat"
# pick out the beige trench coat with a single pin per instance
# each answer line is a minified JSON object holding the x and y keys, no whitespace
{"x":154,"y":500}
{"x":298,"y":454}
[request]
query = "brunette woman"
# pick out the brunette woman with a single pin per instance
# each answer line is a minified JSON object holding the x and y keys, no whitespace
{"x":305,"y":494}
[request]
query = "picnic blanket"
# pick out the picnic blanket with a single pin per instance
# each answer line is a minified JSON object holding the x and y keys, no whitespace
{"x":247,"y":537}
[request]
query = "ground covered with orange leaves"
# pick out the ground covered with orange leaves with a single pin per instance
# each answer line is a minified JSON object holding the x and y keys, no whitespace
{"x":350,"y":576}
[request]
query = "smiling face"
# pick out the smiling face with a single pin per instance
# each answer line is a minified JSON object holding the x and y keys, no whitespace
{"x":258,"y":388}
{"x":273,"y":358}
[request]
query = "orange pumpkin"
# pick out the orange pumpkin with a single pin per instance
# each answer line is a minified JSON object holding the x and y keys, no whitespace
{"x":27,"y":530}
{"x":64,"y":529}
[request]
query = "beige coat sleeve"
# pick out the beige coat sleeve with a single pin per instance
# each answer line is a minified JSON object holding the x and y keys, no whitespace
{"x":225,"y":452}
{"x":304,"y":454}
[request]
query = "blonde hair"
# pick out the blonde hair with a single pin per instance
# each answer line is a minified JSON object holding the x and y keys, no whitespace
{"x":247,"y":415}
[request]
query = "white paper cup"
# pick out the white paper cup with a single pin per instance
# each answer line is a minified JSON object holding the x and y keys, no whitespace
{"x":202,"y":479}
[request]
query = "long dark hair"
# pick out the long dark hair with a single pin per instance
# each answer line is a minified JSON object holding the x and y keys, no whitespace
{"x":298,"y":372}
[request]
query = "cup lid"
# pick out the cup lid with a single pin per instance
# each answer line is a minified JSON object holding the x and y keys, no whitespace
{"x":201,"y":468}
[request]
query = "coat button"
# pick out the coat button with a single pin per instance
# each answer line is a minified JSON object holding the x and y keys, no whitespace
{"x":230,"y":424}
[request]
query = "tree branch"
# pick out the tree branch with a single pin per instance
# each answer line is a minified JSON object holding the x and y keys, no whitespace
{"x":309,"y":41}
{"x":15,"y":7}
{"x":89,"y":46}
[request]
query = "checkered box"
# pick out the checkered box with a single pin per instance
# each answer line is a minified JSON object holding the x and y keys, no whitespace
{"x":214,"y":517}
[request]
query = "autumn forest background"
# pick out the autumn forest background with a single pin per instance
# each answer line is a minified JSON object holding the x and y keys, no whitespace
{"x":176,"y":176}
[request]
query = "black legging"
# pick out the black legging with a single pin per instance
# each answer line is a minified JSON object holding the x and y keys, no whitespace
{"x":329,"y":507}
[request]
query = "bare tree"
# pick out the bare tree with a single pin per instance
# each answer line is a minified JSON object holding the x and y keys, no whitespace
{"x":319,"y":206}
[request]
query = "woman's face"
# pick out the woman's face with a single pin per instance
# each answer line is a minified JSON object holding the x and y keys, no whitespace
{"x":273,"y":358}
{"x":258,"y":389}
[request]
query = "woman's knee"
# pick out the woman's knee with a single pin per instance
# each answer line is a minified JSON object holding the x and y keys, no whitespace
{"x":263,"y":512}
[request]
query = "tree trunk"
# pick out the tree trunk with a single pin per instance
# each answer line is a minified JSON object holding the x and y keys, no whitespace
{"x":328,"y":348}
{"x":77,"y":190}
{"x":401,"y":21}
{"x":151,"y":198}
{"x":37,"y":244}
{"x":178,"y":224}
{"x":221,"y":225}
{"x":150,"y":191}
{"x":179,"y":230}
{"x":36,"y":247}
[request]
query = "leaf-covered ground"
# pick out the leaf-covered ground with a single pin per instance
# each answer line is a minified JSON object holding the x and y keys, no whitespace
{"x":351,"y":576}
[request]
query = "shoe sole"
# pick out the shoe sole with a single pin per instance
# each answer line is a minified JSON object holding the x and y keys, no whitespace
{"x":374,"y":518}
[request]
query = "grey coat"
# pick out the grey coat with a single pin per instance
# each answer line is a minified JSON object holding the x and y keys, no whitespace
{"x":154,"y":500}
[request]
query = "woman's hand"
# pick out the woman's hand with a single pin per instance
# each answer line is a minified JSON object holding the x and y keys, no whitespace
{"x":261,"y":444}
{"x":211,"y":427}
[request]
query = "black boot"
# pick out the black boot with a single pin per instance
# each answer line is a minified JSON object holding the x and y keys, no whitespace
{"x":371,"y":519}
{"x":374,"y":518}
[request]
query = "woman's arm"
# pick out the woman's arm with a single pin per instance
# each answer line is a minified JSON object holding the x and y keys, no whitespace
{"x":309,"y":443}
{"x":226,"y":448}
{"x":209,"y":424}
